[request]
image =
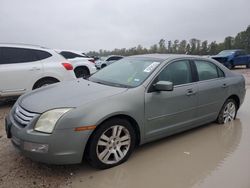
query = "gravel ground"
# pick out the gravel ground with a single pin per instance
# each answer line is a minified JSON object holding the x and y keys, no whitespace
{"x":18,"y":171}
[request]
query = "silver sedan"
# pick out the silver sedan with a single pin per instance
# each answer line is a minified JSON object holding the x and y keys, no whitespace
{"x":133,"y":101}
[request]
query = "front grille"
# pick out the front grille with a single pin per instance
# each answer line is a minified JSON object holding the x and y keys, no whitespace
{"x":22,"y":116}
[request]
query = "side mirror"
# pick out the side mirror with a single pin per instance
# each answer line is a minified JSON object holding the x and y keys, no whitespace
{"x":164,"y":86}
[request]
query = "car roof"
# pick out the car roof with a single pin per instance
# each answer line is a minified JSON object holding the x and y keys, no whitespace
{"x":164,"y":57}
{"x":21,"y":45}
{"x":113,"y":56}
{"x":72,"y":51}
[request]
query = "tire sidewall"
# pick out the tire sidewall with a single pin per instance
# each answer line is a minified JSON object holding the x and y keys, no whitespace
{"x":229,"y":65}
{"x":91,"y":154}
{"x":82,"y":72}
{"x":44,"y":82}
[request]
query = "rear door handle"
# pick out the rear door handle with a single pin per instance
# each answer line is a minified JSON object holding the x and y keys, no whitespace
{"x":190,"y":92}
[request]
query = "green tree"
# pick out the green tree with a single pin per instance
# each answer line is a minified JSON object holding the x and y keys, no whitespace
{"x":213,"y":48}
{"x":162,"y":47}
{"x":182,"y":47}
{"x":204,"y":47}
{"x":194,"y":46}
{"x":228,"y":42}
{"x":188,"y":49}
{"x":175,"y":47}
{"x":153,"y":49}
{"x":170,"y":50}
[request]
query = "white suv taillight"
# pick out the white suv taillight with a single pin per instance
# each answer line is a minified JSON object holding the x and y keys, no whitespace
{"x":67,"y":66}
{"x":92,"y":61}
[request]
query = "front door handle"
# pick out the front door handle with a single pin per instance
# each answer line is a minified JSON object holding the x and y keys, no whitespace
{"x":190,"y":92}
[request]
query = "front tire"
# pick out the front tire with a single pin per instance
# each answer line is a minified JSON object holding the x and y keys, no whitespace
{"x":248,"y":65}
{"x":228,"y":112}
{"x":229,"y":65}
{"x":111,"y":144}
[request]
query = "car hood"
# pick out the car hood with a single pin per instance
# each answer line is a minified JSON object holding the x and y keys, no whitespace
{"x":67,"y":94}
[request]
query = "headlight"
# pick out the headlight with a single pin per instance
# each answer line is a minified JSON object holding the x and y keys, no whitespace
{"x":47,"y":121}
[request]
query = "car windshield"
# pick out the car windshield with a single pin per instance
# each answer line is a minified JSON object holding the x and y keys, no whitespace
{"x":128,"y":72}
{"x":226,"y":52}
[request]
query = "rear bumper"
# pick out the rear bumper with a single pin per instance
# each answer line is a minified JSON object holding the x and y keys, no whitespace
{"x":92,"y":69}
{"x":64,"y":146}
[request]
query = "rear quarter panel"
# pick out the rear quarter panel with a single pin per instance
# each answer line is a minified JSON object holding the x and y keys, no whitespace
{"x":53,"y":68}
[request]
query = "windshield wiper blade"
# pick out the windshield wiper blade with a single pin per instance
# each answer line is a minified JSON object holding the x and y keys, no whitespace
{"x":111,"y":83}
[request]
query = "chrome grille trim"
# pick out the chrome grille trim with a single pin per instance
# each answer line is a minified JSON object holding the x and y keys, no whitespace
{"x":22,"y":116}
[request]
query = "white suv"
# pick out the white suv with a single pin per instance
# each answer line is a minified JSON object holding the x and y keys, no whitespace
{"x":27,"y":67}
{"x":105,"y":61}
{"x":84,"y":66}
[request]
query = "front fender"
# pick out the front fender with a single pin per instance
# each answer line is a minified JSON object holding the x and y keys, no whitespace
{"x":129,"y":103}
{"x":230,"y":59}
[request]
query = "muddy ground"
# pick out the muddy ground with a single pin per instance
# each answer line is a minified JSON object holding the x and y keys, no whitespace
{"x":210,"y":156}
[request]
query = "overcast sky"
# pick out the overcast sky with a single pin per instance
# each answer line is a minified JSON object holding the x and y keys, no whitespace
{"x":107,"y":24}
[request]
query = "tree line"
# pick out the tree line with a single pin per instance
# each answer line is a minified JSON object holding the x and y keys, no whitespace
{"x":193,"y":46}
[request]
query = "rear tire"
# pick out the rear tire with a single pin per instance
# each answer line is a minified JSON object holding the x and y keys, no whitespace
{"x":103,"y":65}
{"x":248,"y":65}
{"x":111,"y":144}
{"x":44,"y":82}
{"x":228,"y":112}
{"x":82,"y":72}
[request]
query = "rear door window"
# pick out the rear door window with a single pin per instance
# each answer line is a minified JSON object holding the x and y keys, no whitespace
{"x":114,"y":58}
{"x":207,"y":70}
{"x":12,"y":55}
{"x":70,"y":55}
{"x":42,"y":54}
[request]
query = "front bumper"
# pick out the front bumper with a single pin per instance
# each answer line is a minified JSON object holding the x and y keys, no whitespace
{"x":63,"y":146}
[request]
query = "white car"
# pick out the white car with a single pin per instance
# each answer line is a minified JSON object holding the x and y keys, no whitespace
{"x":84,"y":66}
{"x":104,"y":61}
{"x":27,"y":67}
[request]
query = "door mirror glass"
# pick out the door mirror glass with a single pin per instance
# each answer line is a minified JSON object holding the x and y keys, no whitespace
{"x":164,"y":86}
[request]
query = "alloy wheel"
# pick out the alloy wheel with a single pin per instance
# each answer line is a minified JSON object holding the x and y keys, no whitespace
{"x":229,"y":112}
{"x":113,"y":144}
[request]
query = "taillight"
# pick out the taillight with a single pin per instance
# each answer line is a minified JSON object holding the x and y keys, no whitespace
{"x":67,"y":66}
{"x":92,"y":60}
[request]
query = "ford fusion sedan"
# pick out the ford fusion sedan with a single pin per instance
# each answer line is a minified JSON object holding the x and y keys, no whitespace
{"x":131,"y":102}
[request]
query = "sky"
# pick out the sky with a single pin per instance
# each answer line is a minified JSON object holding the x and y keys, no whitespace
{"x":87,"y":25}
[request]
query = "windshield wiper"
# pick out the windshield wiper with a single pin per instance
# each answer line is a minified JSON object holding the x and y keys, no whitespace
{"x":110,"y":83}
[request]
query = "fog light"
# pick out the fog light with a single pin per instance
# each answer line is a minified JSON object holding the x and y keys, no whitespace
{"x":34,"y":147}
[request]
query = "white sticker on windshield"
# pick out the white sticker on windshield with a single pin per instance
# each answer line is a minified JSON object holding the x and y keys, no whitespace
{"x":151,"y":67}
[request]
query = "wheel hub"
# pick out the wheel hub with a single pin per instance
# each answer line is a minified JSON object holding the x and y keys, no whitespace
{"x":113,"y":144}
